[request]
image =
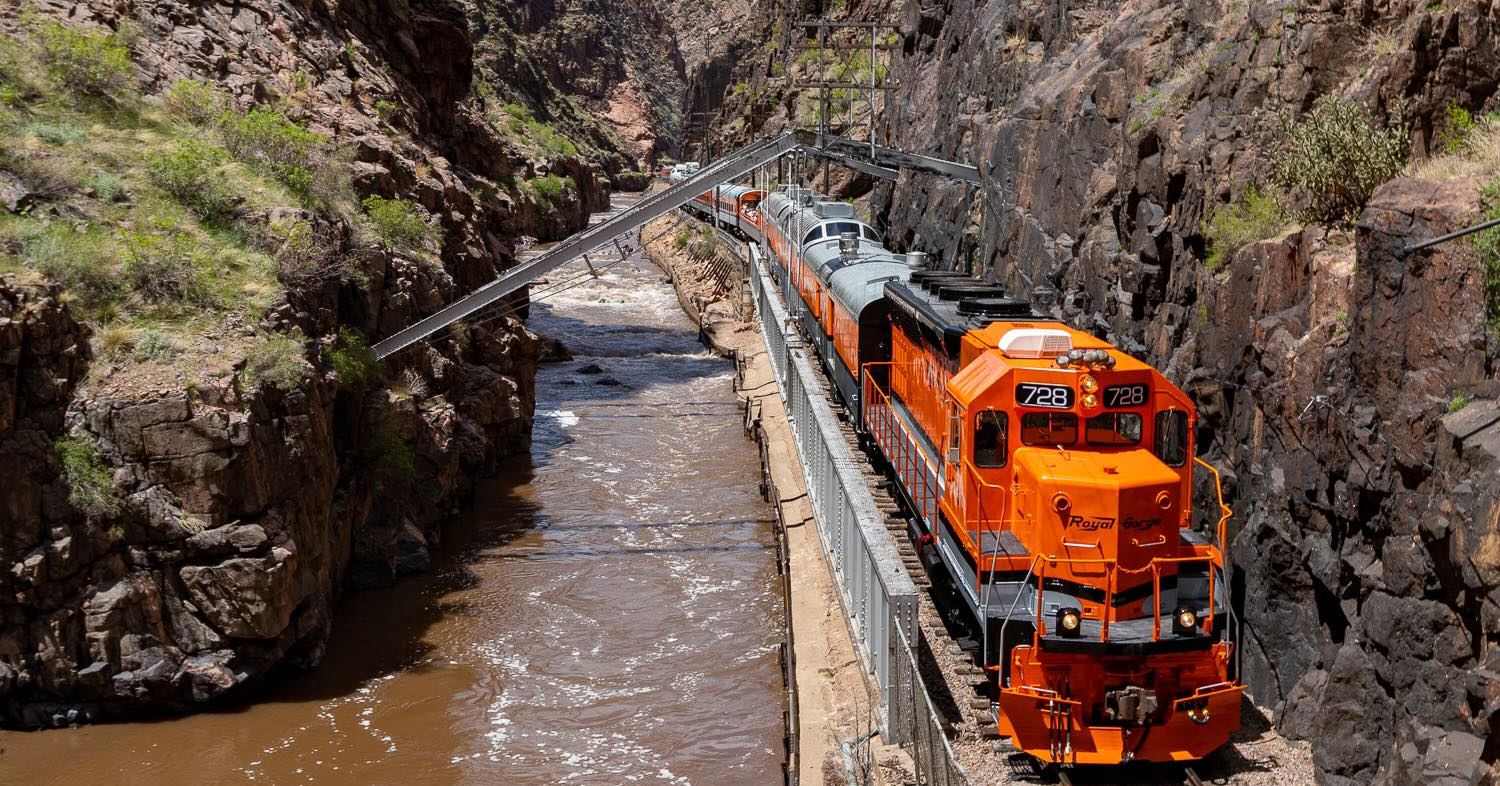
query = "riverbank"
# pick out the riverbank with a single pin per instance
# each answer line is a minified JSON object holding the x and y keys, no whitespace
{"x":833,"y":697}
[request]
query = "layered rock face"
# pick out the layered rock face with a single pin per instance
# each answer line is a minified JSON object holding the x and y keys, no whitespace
{"x":1324,"y":361}
{"x":242,"y":512}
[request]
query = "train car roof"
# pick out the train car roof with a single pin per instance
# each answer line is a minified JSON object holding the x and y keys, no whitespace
{"x":857,"y":286}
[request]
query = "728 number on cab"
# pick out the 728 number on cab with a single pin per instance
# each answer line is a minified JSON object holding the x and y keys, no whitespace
{"x":1121,"y":396}
{"x":1048,"y":396}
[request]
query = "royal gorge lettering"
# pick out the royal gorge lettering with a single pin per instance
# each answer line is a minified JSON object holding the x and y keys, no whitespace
{"x":1099,"y":523}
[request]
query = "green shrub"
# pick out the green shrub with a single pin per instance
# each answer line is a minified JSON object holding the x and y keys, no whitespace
{"x":270,"y":142}
{"x":193,"y":102}
{"x":277,"y":361}
{"x":353,"y":360}
{"x":191,"y":173}
{"x":1231,"y":227}
{"x":1487,"y":245}
{"x":1337,"y":155}
{"x":106,"y":186}
{"x":165,"y":268}
{"x":397,"y":222}
{"x":92,"y":64}
{"x":395,"y":463}
{"x":1456,"y":132}
{"x":91,"y":486}
{"x":79,"y":260}
{"x":155,"y":345}
{"x":56,"y":134}
{"x":1458,"y":402}
{"x":551,"y":188}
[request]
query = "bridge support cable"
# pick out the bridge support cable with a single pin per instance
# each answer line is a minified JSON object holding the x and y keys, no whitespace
{"x":592,"y":239}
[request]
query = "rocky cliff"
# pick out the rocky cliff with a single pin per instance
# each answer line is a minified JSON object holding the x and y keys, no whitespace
{"x":1325,"y":360}
{"x":199,"y":455}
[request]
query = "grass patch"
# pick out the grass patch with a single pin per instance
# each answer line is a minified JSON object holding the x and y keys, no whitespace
{"x":277,"y":361}
{"x":1229,"y":228}
{"x":1337,"y":155}
{"x":166,"y":268}
{"x":1458,"y":402}
{"x":91,"y":486}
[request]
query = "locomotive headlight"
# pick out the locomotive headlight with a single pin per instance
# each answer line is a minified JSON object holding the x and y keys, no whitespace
{"x":1184,"y":622}
{"x":1069,"y":620}
{"x":1090,"y":400}
{"x":1088,"y":383}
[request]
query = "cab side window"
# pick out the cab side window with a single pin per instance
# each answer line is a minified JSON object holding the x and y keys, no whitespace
{"x":990,"y":432}
{"x":1172,"y":437}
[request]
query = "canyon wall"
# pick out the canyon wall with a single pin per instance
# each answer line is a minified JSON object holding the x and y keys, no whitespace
{"x":173,"y":528}
{"x":1325,"y":361}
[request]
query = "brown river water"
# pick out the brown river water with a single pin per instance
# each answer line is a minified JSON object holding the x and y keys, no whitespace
{"x":607,"y":613}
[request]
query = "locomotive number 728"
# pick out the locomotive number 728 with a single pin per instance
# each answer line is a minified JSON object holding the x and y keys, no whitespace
{"x":1049,"y":396}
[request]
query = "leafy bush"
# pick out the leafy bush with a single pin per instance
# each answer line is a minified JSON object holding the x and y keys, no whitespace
{"x":193,"y":102}
{"x":395,"y":463}
{"x":1231,"y":227}
{"x":80,"y":261}
{"x":91,"y":486}
{"x":397,"y":222}
{"x":1459,"y":128}
{"x":92,"y":64}
{"x":1487,"y":245}
{"x":165,"y":268}
{"x":353,"y":360}
{"x":551,"y":188}
{"x":267,"y":140}
{"x":278,"y":361}
{"x":1337,"y":155}
{"x":190,"y":172}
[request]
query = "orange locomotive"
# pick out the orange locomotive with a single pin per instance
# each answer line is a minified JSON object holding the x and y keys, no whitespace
{"x":1047,"y":472}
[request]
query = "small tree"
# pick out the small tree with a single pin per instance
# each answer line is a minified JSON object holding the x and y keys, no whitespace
{"x":1337,"y":155}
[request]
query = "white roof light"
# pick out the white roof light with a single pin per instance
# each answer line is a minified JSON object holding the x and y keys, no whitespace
{"x":1035,"y":343}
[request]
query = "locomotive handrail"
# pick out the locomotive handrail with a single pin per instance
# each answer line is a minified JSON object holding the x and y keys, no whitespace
{"x":1112,"y":569}
{"x":1224,"y":510}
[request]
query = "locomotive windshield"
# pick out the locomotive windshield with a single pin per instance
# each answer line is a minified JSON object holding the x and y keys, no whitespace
{"x":1113,"y":428}
{"x":1049,"y":428}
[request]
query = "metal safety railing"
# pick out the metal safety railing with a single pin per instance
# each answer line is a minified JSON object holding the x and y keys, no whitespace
{"x":877,"y":595}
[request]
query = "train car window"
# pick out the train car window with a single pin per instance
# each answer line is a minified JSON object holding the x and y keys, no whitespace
{"x":955,"y":422}
{"x":834,"y":230}
{"x":1172,"y":437}
{"x":990,"y":431}
{"x":1049,"y":428}
{"x":817,"y":232}
{"x":1113,"y":428}
{"x":871,"y":235}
